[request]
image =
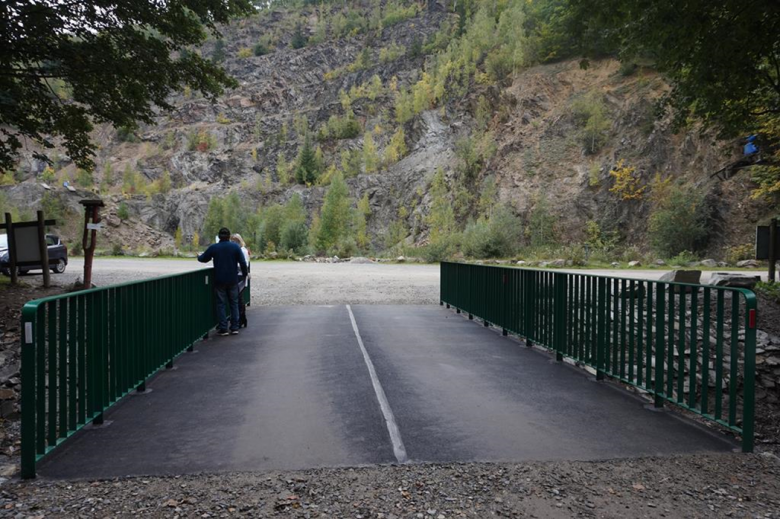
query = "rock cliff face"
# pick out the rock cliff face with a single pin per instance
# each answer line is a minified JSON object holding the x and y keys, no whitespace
{"x":234,"y":145}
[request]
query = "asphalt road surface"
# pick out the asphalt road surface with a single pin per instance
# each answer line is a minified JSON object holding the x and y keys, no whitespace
{"x":339,"y":385}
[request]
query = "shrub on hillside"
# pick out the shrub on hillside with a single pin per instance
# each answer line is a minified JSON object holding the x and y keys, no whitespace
{"x":677,"y":222}
{"x":496,"y":237}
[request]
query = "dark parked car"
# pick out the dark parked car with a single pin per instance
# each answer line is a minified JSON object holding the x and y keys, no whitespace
{"x":58,"y":256}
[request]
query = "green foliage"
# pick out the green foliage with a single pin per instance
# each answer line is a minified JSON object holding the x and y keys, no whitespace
{"x":299,"y":40}
{"x":54,"y":208}
{"x":473,"y":153}
{"x":590,"y":114}
{"x":123,"y":212}
{"x":346,"y":127}
{"x":48,"y":176}
{"x":769,"y":289}
{"x":283,"y":169}
{"x":721,"y":59}
{"x":598,"y":240}
{"x":261,"y":48}
{"x":201,"y":140}
{"x":541,"y":224}
{"x":218,"y":52}
{"x":362,"y":215}
{"x":396,"y":148}
{"x":488,"y":197}
{"x":334,"y":222}
{"x":126,"y":134}
{"x":245,"y":52}
{"x":495,"y":237}
{"x":441,"y":217}
{"x":370,"y":156}
{"x":294,"y":237}
{"x":739,"y":253}
{"x":229,"y":211}
{"x":396,"y":12}
{"x":84,"y":178}
{"x":53,"y":96}
{"x":307,"y":168}
{"x":677,"y":221}
{"x":177,"y":237}
{"x":391,"y":53}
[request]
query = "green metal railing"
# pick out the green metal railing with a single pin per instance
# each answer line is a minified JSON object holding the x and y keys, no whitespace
{"x":691,"y":345}
{"x":84,"y":351}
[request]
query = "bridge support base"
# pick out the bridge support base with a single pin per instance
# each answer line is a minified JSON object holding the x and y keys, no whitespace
{"x":529,"y":343}
{"x":504,"y":332}
{"x":486,"y":323}
{"x":169,"y":365}
{"x":471,"y":317}
{"x":191,"y":348}
{"x":448,"y":306}
{"x":98,"y":420}
{"x":141,"y":387}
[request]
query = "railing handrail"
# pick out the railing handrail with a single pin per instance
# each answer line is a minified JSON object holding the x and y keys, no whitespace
{"x":34,"y":303}
{"x":634,"y":330}
{"x":84,"y":351}
{"x":745,"y":291}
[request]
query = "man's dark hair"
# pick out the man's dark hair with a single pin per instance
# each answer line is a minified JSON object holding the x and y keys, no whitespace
{"x":224,"y":234}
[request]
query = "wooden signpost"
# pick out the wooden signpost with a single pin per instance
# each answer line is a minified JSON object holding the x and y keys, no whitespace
{"x":91,"y":226}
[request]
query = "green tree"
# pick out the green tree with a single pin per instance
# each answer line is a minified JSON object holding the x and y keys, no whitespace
{"x":495,"y":237}
{"x":299,"y":40}
{"x":307,"y":169}
{"x":122,"y":212}
{"x":95,"y":50}
{"x":677,"y":221}
{"x":722,"y":59}
{"x":84,"y":178}
{"x":177,"y":237}
{"x":441,"y":218}
{"x":335,"y":215}
{"x":370,"y":157}
{"x":362,"y":215}
{"x":396,"y":149}
{"x":541,"y":224}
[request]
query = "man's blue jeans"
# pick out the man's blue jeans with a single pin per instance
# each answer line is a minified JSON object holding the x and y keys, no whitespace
{"x":227,"y":295}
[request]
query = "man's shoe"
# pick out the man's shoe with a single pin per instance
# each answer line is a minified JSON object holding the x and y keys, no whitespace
{"x":233,"y":332}
{"x":223,"y":333}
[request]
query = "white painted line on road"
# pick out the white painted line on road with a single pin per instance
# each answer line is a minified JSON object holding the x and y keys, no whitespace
{"x":395,"y":435}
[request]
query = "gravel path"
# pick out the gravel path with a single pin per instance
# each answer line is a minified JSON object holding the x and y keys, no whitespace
{"x":727,"y":485}
{"x":285,"y":282}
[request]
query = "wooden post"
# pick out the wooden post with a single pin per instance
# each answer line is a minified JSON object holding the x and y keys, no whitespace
{"x":44,"y":250}
{"x":772,"y":248}
{"x":89,"y":239}
{"x":9,"y":227}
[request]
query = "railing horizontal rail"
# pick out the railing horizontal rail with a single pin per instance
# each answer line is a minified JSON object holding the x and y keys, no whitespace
{"x":691,"y":345}
{"x":84,"y":351}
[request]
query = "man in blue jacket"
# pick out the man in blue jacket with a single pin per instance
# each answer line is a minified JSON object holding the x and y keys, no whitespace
{"x":226,"y":256}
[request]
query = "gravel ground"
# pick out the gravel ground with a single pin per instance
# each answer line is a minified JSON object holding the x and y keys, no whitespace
{"x":285,"y":282}
{"x":728,"y":485}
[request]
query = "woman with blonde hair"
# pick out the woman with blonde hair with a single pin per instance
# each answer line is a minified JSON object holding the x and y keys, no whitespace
{"x":242,"y":281}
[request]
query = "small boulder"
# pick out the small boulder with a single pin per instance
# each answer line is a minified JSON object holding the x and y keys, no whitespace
{"x":521,"y":263}
{"x":634,"y":263}
{"x":360,"y":260}
{"x":615,"y":264}
{"x":660,"y":262}
{"x":747,"y":264}
{"x":400,"y":259}
{"x":709,"y":263}
{"x":558,"y":263}
{"x":724,"y":279}
{"x":692,"y":277}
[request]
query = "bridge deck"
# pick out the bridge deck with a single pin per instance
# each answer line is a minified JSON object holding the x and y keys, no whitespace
{"x":294,"y":391}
